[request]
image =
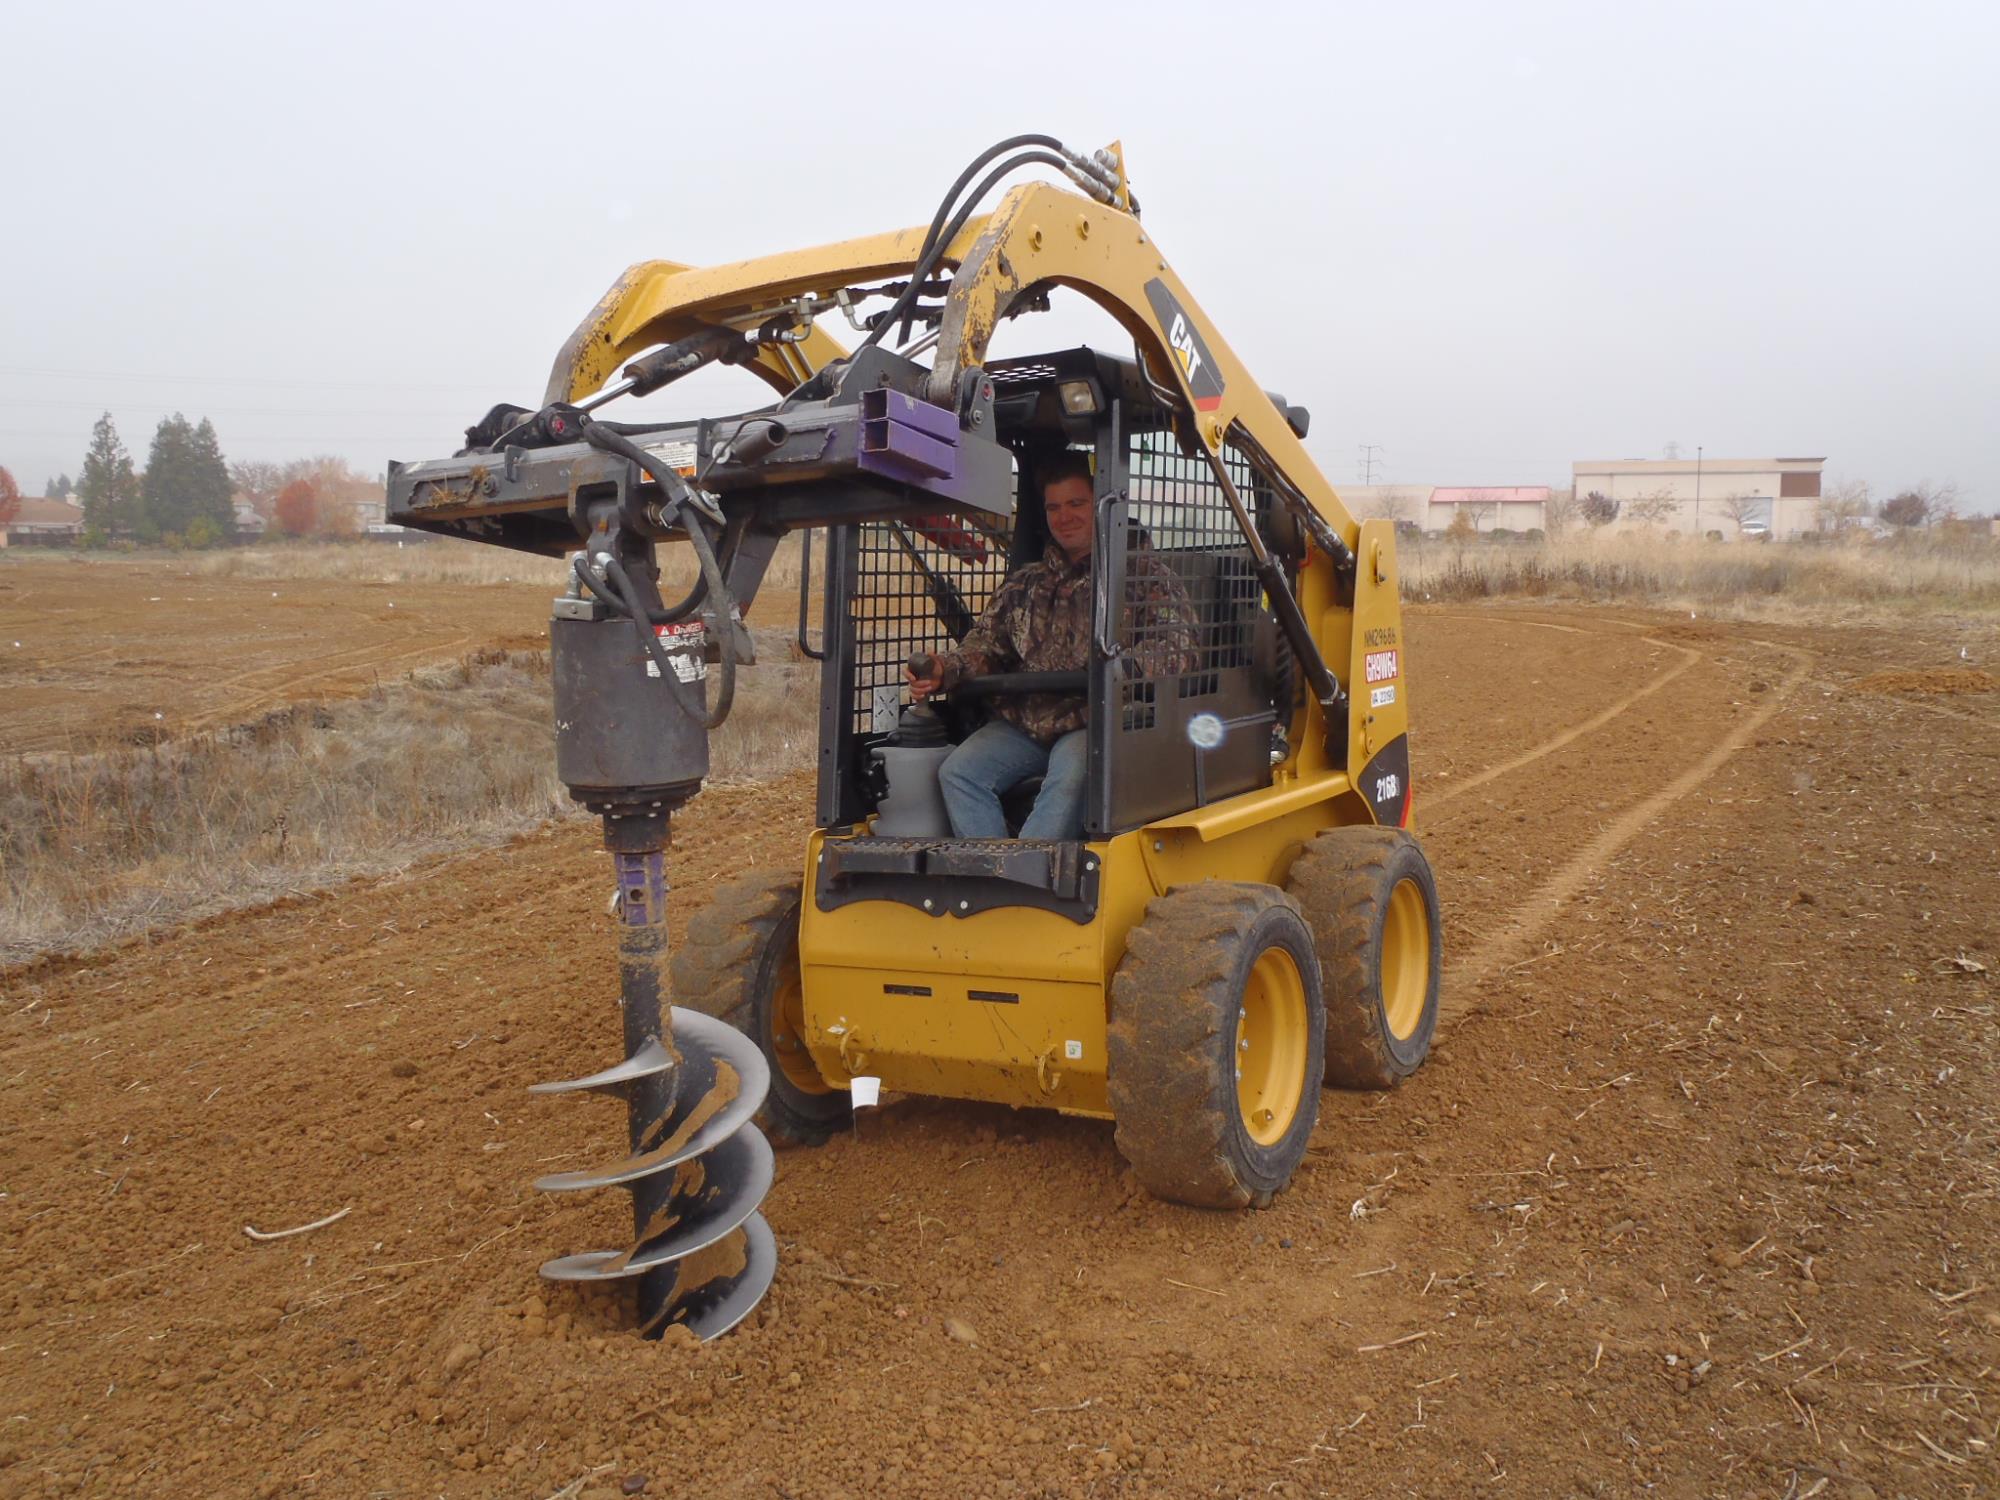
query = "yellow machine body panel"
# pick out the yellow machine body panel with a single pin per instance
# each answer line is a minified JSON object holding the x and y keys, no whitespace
{"x":1010,"y":1005}
{"x":1370,"y":640}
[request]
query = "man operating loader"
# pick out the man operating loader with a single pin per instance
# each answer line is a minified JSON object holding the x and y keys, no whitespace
{"x":1039,"y":620}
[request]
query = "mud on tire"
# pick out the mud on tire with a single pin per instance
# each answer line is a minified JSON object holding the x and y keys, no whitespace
{"x":1218,"y":975}
{"x":1371,"y":900}
{"x":740,"y":963}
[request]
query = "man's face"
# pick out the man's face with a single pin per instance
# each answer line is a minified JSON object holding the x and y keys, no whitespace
{"x":1069,"y":504}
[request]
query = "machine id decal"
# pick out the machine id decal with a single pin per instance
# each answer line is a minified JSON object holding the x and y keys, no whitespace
{"x":1382,"y":697}
{"x":1385,"y":782}
{"x":1379,"y":666}
{"x":683,"y":644}
{"x":1204,"y":380}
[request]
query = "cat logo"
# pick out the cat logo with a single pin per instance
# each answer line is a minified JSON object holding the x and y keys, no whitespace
{"x":1198,"y":371}
{"x":1183,"y":341}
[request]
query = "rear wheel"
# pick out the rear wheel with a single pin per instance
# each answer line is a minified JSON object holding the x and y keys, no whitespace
{"x":1214,"y":1046}
{"x":1371,"y":900}
{"x":740,"y":963}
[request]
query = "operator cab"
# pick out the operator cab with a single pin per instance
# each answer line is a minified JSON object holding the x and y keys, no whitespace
{"x":1160,"y":743}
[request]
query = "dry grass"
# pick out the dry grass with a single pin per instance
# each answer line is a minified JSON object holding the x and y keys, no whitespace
{"x":1780,"y":580}
{"x":96,"y":847}
{"x":432,"y":561}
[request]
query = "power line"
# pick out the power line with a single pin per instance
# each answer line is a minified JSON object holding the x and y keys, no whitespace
{"x":1367,"y":464}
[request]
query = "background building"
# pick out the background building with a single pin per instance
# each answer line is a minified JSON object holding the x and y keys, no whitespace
{"x":42,"y":522}
{"x":1497,"y":507}
{"x":1506,"y":507}
{"x":1394,"y":502}
{"x":1699,"y":495}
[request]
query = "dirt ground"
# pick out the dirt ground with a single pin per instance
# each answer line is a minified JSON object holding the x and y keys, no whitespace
{"x":1696,"y":1197}
{"x":138,"y":649}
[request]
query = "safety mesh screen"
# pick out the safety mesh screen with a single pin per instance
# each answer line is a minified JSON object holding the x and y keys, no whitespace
{"x":918,"y":586}
{"x":1179,"y":518}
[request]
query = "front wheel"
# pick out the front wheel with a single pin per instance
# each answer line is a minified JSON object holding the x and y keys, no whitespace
{"x":740,"y":964}
{"x":1214,"y":1046}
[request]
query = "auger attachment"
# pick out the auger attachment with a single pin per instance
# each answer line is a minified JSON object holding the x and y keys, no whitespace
{"x":632,"y":746}
{"x":697,"y":1167}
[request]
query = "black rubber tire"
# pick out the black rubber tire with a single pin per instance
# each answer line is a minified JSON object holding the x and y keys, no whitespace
{"x":1343,"y":883}
{"x":736,"y":951}
{"x":1171,"y":1050}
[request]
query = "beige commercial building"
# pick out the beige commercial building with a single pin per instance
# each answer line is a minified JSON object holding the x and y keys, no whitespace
{"x":1699,"y":495}
{"x":1503,"y":507}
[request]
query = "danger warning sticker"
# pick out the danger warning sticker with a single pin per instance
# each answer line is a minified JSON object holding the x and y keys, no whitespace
{"x":1379,"y":666}
{"x":683,"y":643}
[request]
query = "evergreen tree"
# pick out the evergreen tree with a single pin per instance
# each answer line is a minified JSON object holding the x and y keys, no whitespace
{"x":167,"y":492}
{"x":108,"y":487}
{"x":212,"y":487}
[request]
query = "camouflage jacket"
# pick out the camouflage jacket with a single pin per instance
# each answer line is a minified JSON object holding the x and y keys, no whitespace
{"x":1039,"y":620}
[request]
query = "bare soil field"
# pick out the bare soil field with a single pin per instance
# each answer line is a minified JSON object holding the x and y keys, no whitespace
{"x":133,"y":650}
{"x":99,"y":649}
{"x":1697,"y":1196}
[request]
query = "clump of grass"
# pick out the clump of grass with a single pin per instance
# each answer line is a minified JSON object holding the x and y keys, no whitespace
{"x":96,"y":847}
{"x":1751,"y":580}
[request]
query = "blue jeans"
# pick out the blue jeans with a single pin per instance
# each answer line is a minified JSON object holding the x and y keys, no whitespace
{"x":996,"y":758}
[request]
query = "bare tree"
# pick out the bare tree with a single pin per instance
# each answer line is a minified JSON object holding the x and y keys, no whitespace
{"x":1394,"y":503}
{"x":1650,"y":510}
{"x":1560,"y":511}
{"x":1739,"y":509}
{"x":258,"y":483}
{"x":1943,"y":499}
{"x":1841,"y":505}
{"x":1479,"y":508}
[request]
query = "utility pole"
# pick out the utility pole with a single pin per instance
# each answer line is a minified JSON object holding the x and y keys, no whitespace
{"x":1368,"y":452}
{"x":1697,"y":490}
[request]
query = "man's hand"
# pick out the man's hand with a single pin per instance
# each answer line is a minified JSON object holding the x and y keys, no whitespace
{"x":924,"y":676}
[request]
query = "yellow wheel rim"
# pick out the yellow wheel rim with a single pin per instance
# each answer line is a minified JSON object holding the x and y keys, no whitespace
{"x":788,"y":1031}
{"x":1271,"y":1033}
{"x":1406,"y":960}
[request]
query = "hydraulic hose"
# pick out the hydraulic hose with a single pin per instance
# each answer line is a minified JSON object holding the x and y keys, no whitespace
{"x":936,"y":243}
{"x":905,"y":303}
{"x":675,"y":491}
{"x":1000,"y":148}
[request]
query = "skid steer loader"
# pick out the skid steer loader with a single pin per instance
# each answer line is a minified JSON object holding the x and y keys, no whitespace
{"x":1247,"y":915}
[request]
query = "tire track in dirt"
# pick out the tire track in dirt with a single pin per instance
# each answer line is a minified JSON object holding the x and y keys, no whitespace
{"x":1568,"y":736}
{"x":288,"y":671}
{"x":236,"y":709}
{"x":1531,"y":916}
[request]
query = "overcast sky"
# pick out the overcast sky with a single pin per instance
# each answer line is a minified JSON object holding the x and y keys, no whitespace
{"x":1490,"y":239}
